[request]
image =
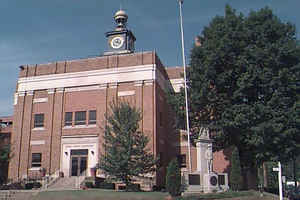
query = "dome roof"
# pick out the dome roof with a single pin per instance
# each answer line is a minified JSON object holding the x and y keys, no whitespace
{"x":120,"y":13}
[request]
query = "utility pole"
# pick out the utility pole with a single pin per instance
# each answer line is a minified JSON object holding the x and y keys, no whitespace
{"x":279,"y":180}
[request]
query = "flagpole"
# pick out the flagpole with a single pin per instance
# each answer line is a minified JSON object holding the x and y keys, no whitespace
{"x":185,"y":86}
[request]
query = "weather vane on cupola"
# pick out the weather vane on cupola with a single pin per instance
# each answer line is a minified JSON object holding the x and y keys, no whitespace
{"x":121,"y":40}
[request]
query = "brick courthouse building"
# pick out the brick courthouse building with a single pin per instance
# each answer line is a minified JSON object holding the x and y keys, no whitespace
{"x":59,"y":108}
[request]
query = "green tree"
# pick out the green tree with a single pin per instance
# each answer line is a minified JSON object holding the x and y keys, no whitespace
{"x":173,"y":178}
{"x":125,"y":155}
{"x":4,"y":159}
{"x":243,"y":85}
{"x":235,"y":172}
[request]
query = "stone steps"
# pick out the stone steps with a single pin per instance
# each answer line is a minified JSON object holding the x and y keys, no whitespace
{"x":72,"y":182}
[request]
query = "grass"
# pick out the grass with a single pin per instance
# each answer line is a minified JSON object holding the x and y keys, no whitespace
{"x":230,"y":195}
{"x":114,"y":195}
{"x":99,"y":195}
{"x":223,"y":195}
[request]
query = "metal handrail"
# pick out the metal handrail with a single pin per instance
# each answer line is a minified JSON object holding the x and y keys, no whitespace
{"x":51,"y":179}
{"x":83,"y":174}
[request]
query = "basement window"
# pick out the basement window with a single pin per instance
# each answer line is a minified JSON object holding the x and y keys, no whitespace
{"x":80,"y":118}
{"x":36,"y":160}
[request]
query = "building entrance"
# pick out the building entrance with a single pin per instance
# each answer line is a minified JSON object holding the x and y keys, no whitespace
{"x":78,"y":164}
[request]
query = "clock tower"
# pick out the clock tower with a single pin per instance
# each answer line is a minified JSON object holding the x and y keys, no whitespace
{"x":121,"y":40}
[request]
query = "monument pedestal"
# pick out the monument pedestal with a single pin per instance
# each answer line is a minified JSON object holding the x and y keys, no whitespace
{"x":204,"y":180}
{"x":210,"y":183}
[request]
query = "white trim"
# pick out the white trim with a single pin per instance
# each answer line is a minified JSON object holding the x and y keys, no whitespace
{"x":138,"y":83}
{"x":21,"y":93}
{"x":29,"y":93}
{"x":39,"y":129}
{"x":177,"y":84}
{"x":51,"y":91}
{"x":148,"y":82}
{"x":40,"y":100}
{"x":78,"y":136}
{"x":16,"y":96}
{"x":126,"y":93}
{"x":60,"y":90}
{"x":34,"y":168}
{"x":37,"y":142}
{"x":84,"y":88}
{"x":112,"y":75}
{"x":80,"y":126}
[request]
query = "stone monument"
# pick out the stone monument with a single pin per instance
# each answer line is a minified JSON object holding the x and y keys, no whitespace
{"x":204,"y":179}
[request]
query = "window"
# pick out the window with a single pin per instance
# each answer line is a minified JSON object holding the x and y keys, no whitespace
{"x":68,"y":118}
{"x":38,"y":120}
{"x":80,"y":118}
{"x":36,"y":160}
{"x":92,"y":117}
{"x":181,"y":160}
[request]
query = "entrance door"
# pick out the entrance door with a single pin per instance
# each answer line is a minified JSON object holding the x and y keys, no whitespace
{"x":78,"y":162}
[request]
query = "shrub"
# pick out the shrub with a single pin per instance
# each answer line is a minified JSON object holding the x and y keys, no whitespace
{"x":89,"y":184}
{"x":133,"y":188}
{"x":28,"y":186}
{"x":37,"y":185}
{"x":173,"y":178}
{"x":105,"y":185}
{"x":235,"y":173}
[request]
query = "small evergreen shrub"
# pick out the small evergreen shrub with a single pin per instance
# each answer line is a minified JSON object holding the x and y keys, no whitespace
{"x":28,"y":186}
{"x":89,"y":184}
{"x":236,"y":172}
{"x":37,"y":185}
{"x":133,"y":188}
{"x":105,"y":185}
{"x":173,"y":178}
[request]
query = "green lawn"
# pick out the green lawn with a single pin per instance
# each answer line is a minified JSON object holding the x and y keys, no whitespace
{"x":114,"y":195}
{"x":99,"y":195}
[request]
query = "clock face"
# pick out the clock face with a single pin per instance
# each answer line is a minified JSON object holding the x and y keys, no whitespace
{"x":117,"y":42}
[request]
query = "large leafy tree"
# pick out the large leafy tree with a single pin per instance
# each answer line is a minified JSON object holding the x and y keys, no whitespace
{"x":243,"y":84}
{"x":125,"y":145}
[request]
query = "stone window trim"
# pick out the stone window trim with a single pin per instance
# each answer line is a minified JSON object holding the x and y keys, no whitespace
{"x":80,"y":126}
